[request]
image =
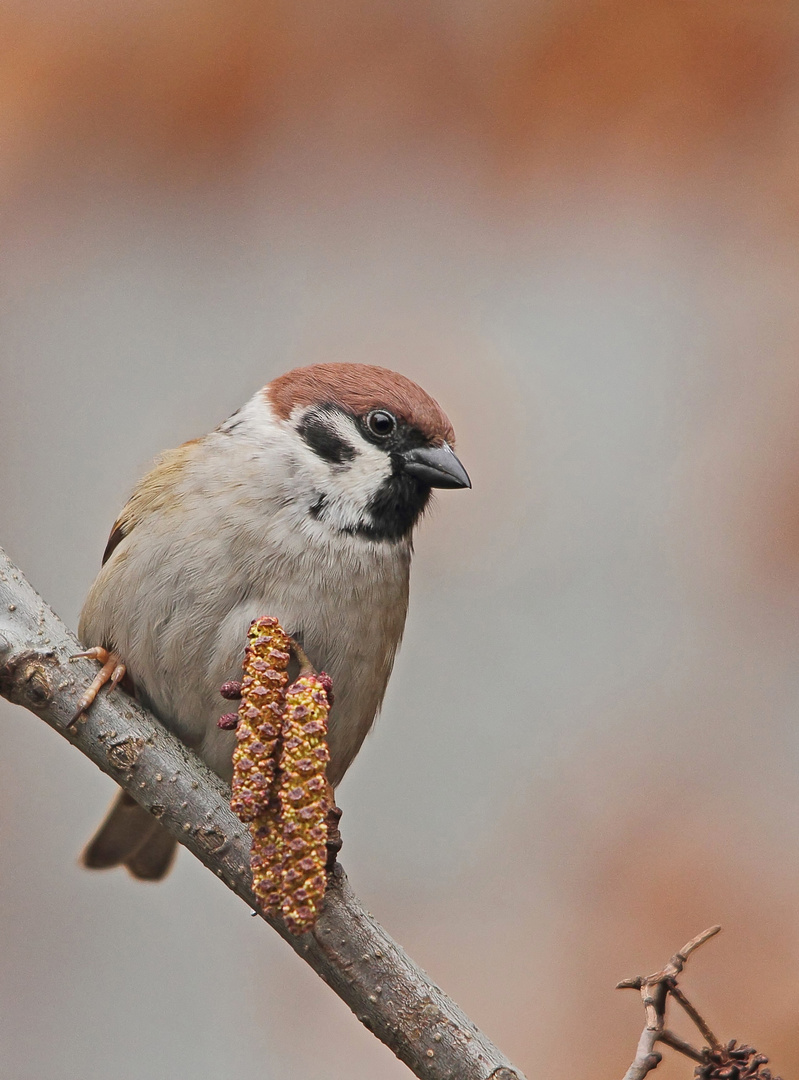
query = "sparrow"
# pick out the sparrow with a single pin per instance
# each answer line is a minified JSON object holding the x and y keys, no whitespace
{"x":302,"y":506}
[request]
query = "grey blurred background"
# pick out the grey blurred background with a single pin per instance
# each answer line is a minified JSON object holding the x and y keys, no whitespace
{"x":575,"y":224}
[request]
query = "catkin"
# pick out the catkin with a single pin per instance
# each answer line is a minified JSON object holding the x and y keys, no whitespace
{"x":303,"y":802}
{"x":260,"y":716}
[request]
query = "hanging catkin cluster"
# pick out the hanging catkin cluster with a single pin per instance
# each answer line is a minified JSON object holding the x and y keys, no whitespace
{"x":279,"y":777}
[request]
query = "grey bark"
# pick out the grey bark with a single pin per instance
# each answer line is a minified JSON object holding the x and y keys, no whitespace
{"x":348,"y":949}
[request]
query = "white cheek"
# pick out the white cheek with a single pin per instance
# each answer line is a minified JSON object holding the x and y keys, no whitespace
{"x":351,"y":486}
{"x":281,"y":465}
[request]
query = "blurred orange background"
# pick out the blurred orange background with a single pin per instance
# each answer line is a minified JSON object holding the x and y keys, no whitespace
{"x":576,"y":224}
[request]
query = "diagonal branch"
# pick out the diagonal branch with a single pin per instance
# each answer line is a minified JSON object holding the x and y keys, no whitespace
{"x":348,"y":949}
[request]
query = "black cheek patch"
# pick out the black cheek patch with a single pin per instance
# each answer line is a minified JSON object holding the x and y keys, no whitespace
{"x":395,"y":508}
{"x":325,"y":443}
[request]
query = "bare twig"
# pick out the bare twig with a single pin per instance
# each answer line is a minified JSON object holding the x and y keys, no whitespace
{"x":696,"y":1016}
{"x":348,"y":949}
{"x":654,"y":992}
{"x":668,"y":1038}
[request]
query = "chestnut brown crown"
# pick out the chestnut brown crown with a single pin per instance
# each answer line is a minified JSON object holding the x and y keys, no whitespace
{"x":360,"y":388}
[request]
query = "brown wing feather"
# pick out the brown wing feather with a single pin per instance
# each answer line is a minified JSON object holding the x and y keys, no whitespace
{"x":118,"y":533}
{"x":153,"y":492}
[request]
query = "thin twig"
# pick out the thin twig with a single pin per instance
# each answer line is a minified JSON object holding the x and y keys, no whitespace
{"x":694,"y":944}
{"x":348,"y":949}
{"x":306,"y":667}
{"x":696,"y":1016}
{"x":668,"y":1038}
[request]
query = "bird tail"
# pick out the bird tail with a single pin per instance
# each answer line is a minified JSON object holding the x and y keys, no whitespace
{"x":130,"y":837}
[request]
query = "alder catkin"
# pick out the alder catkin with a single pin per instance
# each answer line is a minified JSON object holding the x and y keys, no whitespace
{"x":303,"y":802}
{"x":260,"y":715}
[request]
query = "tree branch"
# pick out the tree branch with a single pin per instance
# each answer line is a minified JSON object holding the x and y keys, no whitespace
{"x":655,"y":990}
{"x":348,"y":949}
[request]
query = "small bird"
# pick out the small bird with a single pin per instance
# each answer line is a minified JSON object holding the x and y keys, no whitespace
{"x":302,"y":506}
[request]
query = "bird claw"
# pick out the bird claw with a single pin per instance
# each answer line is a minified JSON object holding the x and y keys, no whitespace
{"x":334,"y":842}
{"x":112,"y":672}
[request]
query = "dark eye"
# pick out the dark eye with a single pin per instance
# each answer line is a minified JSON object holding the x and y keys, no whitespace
{"x":381,"y":423}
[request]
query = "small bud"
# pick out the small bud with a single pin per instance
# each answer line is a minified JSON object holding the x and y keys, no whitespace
{"x":327,"y":685}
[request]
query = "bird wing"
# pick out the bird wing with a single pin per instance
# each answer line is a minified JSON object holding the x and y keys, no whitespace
{"x":151,"y":494}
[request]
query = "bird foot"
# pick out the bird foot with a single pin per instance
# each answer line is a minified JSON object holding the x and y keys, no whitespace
{"x":113,"y":671}
{"x":334,"y":841}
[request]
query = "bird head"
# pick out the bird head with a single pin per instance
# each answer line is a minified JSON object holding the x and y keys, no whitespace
{"x":370,"y":443}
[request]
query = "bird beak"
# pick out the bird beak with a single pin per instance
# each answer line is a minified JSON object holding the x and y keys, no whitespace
{"x":436,"y":466}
